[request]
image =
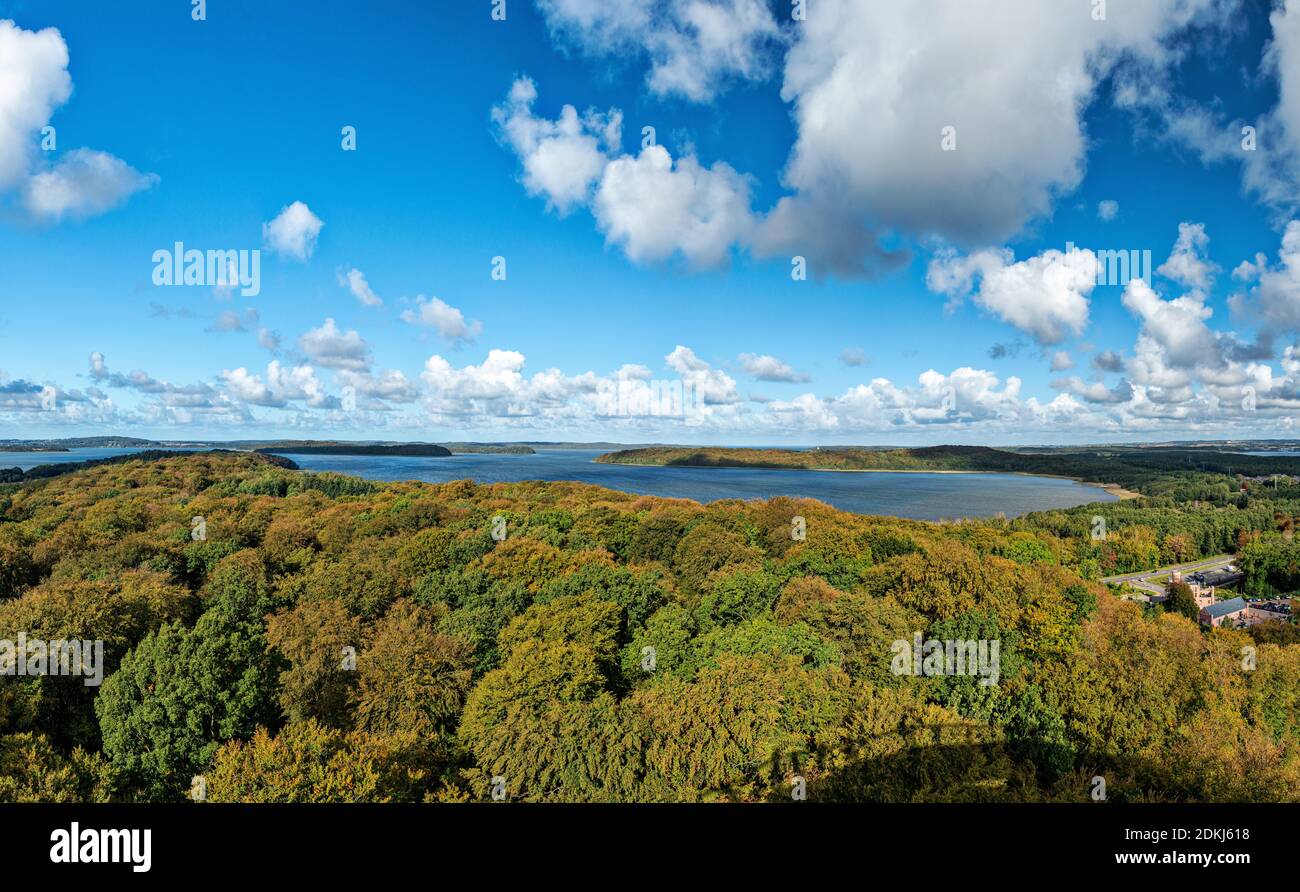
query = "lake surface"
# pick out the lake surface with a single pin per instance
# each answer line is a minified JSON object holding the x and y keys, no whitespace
{"x":920,"y":496}
{"x":29,"y":460}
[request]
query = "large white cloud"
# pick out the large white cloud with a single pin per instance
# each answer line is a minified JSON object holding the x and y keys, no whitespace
{"x":654,"y":207}
{"x":1177,"y":326}
{"x":1044,"y":296}
{"x":650,"y":205}
{"x":281,"y":386}
{"x":563,"y":158}
{"x":1181,"y":367}
{"x":34,"y":82}
{"x":498,"y":377}
{"x":713,"y":386}
{"x":874,"y":84}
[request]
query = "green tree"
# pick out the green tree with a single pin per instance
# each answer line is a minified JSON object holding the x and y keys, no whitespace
{"x":182,"y":692}
{"x":1181,"y":600}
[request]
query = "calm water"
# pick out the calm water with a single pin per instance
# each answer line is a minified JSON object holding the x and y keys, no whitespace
{"x":29,"y":460}
{"x":920,"y":496}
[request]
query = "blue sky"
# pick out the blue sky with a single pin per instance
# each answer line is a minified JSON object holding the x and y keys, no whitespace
{"x":633,"y":271}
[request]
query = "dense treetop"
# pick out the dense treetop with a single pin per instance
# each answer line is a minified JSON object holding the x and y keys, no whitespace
{"x":320,"y":637}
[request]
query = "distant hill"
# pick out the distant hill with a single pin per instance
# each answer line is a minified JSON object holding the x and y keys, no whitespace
{"x":490,"y":449}
{"x":423,"y":450}
{"x":68,"y":443}
{"x":43,"y":472}
{"x":841,"y":458}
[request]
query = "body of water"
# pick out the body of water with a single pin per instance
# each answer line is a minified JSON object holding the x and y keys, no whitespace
{"x":916,"y":495}
{"x":28,"y":460}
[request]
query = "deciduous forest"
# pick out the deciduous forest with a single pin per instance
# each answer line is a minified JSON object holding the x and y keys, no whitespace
{"x":327,"y":638}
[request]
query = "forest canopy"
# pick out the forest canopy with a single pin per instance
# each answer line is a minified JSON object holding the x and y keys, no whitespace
{"x":284,"y":636}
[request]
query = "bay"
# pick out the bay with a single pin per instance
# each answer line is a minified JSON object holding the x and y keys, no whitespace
{"x":920,"y":496}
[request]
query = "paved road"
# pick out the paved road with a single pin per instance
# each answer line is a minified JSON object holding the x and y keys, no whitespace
{"x":1142,"y":580}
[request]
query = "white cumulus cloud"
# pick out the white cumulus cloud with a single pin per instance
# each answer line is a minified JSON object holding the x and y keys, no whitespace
{"x":1044,"y":296}
{"x":293,"y":232}
{"x":443,"y":318}
{"x":769,"y":368}
{"x":333,"y":348}
{"x":34,"y":82}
